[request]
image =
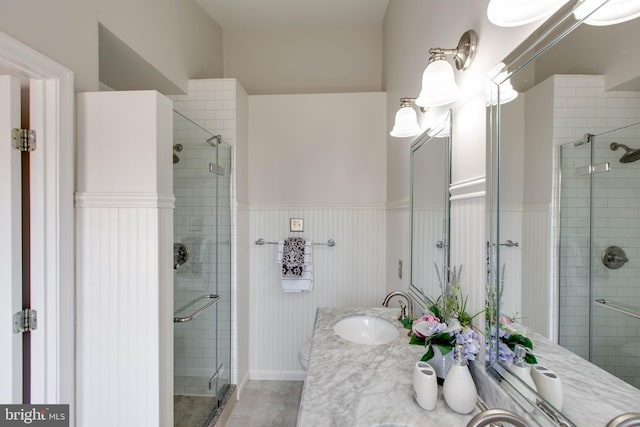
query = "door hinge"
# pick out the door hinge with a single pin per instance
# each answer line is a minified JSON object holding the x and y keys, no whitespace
{"x":24,"y":139}
{"x":593,"y":169}
{"x":25,"y":321}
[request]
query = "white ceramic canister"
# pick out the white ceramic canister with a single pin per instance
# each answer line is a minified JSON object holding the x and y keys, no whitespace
{"x":425,"y":384}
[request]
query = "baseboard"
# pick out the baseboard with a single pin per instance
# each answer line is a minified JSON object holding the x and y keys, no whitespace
{"x":278,"y":375}
{"x":241,"y":385}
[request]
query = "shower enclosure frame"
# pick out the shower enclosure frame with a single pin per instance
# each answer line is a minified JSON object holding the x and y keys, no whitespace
{"x":202,"y":261}
{"x":597,"y":275}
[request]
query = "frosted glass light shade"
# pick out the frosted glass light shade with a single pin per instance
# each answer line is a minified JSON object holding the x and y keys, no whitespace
{"x":512,"y":13}
{"x":438,"y":85}
{"x":406,"y":123}
{"x":507,"y":92}
{"x":613,"y":12}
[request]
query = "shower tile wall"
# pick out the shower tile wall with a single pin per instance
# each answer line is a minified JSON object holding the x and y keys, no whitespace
{"x":582,"y":105}
{"x":212,"y":105}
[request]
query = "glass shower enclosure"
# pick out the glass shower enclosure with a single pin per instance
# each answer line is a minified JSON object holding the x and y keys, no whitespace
{"x":202,"y":273}
{"x":599,"y":248}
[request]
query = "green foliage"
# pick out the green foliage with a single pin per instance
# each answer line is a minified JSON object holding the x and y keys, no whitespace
{"x":407,"y":322}
{"x":417,"y":341}
{"x":515,"y":339}
{"x":435,"y":310}
{"x":428,"y":355}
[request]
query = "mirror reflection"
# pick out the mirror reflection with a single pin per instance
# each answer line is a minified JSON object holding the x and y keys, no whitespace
{"x":568,"y":238}
{"x":430,"y":178}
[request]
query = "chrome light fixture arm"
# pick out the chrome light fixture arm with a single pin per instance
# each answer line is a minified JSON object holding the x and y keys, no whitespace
{"x":463,"y":54}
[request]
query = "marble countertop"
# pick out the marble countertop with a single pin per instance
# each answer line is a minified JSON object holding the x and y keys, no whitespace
{"x":591,"y":395}
{"x":358,"y":385}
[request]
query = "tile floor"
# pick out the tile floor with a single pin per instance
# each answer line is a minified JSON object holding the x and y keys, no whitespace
{"x":191,"y":411}
{"x":267,"y":404}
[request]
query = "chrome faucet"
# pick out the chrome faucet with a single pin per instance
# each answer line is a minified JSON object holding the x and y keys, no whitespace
{"x":489,"y":416}
{"x":403,"y":307}
{"x":625,"y":420}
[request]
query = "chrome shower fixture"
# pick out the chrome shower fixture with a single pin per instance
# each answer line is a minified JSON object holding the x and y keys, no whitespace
{"x":176,"y":148}
{"x":630,"y":156}
{"x":215,"y":139}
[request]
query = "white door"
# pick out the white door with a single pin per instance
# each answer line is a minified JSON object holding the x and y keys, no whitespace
{"x":10,"y":248}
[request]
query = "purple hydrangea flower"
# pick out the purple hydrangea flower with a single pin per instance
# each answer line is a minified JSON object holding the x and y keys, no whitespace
{"x":469,"y":339}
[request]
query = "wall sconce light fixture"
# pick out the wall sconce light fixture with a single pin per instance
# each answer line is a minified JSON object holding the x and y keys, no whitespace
{"x":512,"y":13}
{"x":610,"y":13}
{"x":438,"y":82}
{"x":406,"y":123}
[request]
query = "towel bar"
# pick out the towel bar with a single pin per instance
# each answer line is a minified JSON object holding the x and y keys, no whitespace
{"x":261,"y":242}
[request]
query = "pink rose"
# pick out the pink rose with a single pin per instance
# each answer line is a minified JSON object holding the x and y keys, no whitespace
{"x":505,"y":320}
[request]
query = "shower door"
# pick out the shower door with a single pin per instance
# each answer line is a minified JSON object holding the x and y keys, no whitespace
{"x":202,"y":272}
{"x":600,"y":251}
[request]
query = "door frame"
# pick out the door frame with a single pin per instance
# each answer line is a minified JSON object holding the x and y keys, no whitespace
{"x":53,"y":222}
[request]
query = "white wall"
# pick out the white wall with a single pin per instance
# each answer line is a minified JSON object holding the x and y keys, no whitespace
{"x":321,"y":158}
{"x":537,"y":304}
{"x":242,"y":261}
{"x":174,"y":36}
{"x":304,"y":60}
{"x":411,"y":28}
{"x":317,"y":150}
{"x":124,"y":329}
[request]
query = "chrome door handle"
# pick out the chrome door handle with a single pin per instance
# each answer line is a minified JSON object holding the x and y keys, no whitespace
{"x":214,"y":298}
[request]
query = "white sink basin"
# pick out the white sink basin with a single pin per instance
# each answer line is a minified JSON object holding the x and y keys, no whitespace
{"x":368,"y":330}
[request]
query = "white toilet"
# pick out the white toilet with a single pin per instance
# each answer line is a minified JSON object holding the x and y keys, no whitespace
{"x":303,"y":354}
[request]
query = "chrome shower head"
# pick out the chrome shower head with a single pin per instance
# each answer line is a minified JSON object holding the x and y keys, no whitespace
{"x":630,"y":156}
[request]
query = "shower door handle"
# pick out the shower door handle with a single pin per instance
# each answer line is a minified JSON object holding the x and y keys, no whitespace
{"x":214,"y":298}
{"x":607,"y":304}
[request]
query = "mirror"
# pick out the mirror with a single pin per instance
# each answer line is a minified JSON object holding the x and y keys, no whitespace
{"x":564,"y":197}
{"x":430,"y":179}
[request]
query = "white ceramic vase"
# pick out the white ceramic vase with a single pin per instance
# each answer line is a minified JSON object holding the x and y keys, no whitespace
{"x":459,"y":390}
{"x":440,"y":363}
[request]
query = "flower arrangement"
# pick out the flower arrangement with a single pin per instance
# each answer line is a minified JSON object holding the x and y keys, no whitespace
{"x":510,"y":335}
{"x":506,"y":328}
{"x":446,"y":322}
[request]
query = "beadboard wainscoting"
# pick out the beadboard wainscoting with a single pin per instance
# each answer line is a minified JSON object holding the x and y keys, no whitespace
{"x":125,"y":302}
{"x":352,"y":273}
{"x":468,"y":241}
{"x":430,"y":224}
{"x":398,"y":245}
{"x":511,"y":259}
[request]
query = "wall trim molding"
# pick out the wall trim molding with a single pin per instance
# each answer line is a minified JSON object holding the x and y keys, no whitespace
{"x":53,"y":379}
{"x":468,"y":189}
{"x":313,"y":207}
{"x":124,"y":200}
{"x":401,"y":204}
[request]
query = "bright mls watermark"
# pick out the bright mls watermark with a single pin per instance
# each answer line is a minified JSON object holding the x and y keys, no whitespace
{"x":34,"y":415}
